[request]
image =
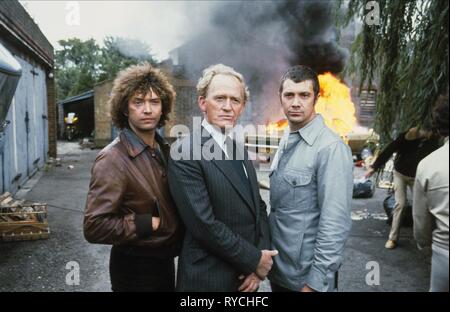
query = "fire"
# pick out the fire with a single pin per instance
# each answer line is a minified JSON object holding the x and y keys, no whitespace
{"x":277,"y":126}
{"x":334,"y":104}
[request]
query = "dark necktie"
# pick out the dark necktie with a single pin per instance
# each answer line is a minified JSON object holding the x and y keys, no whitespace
{"x":235,"y":160}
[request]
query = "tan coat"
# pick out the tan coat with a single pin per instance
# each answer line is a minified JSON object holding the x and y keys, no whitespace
{"x":431,"y":199}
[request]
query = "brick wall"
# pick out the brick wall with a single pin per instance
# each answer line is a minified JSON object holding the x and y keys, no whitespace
{"x":52,"y":116}
{"x":103,"y":126}
{"x":185,"y":106}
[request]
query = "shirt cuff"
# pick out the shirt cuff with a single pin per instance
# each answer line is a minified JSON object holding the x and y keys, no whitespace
{"x":143,"y":225}
{"x":317,"y":280}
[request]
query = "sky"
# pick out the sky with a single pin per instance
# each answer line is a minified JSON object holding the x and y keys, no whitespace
{"x":163,"y":25}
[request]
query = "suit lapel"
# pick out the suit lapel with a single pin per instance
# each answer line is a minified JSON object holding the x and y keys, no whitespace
{"x":228,"y":170}
{"x":253,"y":184}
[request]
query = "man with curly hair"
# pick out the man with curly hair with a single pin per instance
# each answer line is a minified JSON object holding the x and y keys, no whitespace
{"x":129,"y":205}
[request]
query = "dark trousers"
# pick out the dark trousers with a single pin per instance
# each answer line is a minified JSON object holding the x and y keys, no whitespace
{"x":135,"y":273}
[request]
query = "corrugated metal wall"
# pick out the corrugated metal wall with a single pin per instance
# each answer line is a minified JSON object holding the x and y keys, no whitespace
{"x":26,"y":139}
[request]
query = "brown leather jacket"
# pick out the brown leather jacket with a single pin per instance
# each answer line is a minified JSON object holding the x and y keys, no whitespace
{"x":129,"y":186}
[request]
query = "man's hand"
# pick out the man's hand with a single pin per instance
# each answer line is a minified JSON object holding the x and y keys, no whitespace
{"x":306,"y":288}
{"x":265,"y":264}
{"x":369,"y":173}
{"x":155,"y":223}
{"x":250,"y":284}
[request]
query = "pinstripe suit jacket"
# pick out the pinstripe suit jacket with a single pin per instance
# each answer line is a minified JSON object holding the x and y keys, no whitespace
{"x":226,"y":224}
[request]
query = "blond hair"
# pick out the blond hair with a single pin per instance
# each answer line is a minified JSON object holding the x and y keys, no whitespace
{"x":219,"y":69}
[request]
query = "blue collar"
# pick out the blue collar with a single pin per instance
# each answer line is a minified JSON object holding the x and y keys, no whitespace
{"x":311,"y":131}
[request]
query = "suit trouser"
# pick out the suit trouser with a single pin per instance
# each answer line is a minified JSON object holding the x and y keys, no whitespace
{"x":439,"y":269}
{"x":401,"y":183}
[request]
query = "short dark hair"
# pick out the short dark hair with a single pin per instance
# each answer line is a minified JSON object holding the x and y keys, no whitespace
{"x":137,"y":79}
{"x":440,"y":116}
{"x":298,"y":74}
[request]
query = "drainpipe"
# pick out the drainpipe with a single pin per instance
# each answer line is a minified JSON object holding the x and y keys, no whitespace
{"x":2,"y":143}
{"x":3,"y":172}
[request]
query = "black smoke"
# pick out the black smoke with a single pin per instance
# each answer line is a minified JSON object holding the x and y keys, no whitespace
{"x":305,"y":28}
{"x":262,"y":39}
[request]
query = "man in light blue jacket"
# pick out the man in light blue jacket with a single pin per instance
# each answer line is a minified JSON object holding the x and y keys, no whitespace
{"x":311,"y":192}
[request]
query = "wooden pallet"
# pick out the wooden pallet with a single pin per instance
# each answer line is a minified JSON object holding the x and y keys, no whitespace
{"x":21,"y":220}
{"x":18,"y":231}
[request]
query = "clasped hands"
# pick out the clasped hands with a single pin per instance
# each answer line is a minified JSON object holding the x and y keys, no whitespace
{"x":251,"y":282}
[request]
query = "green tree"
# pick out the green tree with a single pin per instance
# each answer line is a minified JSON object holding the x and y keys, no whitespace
{"x":76,"y":64}
{"x":407,"y":53}
{"x":81,"y":64}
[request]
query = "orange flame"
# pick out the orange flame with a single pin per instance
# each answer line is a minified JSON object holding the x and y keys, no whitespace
{"x":334,"y":104}
{"x":277,"y":126}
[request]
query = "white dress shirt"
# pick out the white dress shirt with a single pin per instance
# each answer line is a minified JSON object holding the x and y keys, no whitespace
{"x":220,"y":138}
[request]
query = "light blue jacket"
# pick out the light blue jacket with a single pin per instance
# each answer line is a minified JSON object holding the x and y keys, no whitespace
{"x":310,"y":215}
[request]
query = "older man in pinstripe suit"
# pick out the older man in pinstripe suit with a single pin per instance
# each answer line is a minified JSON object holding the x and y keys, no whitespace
{"x":227,"y":235}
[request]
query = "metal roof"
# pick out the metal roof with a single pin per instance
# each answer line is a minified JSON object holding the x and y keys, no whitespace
{"x":79,"y":97}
